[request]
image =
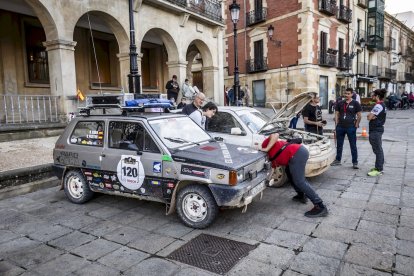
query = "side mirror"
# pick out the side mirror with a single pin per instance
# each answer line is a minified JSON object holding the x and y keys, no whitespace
{"x":237,"y":131}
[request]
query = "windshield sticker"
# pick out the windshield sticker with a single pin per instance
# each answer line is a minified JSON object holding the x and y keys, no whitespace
{"x":195,"y":171}
{"x":226,"y":154}
{"x":246,"y":150}
{"x":208,"y":148}
{"x":130,"y":172}
{"x":156,"y":167}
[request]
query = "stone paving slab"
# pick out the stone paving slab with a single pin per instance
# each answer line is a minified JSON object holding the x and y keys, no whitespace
{"x":369,"y":230}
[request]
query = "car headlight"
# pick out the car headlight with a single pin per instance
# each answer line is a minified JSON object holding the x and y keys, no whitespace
{"x":314,"y":150}
{"x":240,"y":175}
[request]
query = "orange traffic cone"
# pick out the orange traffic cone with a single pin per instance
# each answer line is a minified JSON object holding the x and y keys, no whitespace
{"x":364,"y":132}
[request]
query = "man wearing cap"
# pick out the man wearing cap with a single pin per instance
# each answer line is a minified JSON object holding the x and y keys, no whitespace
{"x":172,"y":88}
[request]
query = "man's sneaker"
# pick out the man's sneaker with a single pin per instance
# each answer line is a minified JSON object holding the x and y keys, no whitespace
{"x":336,"y":163}
{"x":317,"y":212}
{"x":375,"y":172}
{"x":300,"y":198}
{"x":355,"y":166}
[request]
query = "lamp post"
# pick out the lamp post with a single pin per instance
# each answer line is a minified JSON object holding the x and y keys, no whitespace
{"x":235,"y":12}
{"x":277,"y":43}
{"x":134,"y":84}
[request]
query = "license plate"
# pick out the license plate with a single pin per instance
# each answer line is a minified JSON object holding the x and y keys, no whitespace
{"x":257,"y":189}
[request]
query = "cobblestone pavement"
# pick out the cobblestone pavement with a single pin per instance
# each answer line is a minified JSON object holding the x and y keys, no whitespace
{"x":369,"y":231}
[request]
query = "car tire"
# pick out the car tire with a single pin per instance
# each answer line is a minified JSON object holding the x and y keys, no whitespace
{"x":196,"y":206}
{"x":76,"y":188}
{"x":279,"y":177}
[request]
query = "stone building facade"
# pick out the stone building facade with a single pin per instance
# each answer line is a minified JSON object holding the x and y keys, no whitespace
{"x":53,"y":47}
{"x":318,"y":45}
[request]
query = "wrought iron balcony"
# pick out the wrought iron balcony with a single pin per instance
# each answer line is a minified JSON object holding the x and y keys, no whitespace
{"x":256,"y":65}
{"x":344,"y":62}
{"x":210,"y":9}
{"x":256,"y":16}
{"x":362,"y":68}
{"x":344,"y":14}
{"x":328,"y":7}
{"x":373,"y":71}
{"x":405,"y":77}
{"x":387,"y":73}
{"x":328,"y":58}
{"x":363,"y":3}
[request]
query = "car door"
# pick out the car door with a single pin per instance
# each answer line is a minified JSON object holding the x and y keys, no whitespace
{"x":221,"y":125}
{"x":132,"y":155}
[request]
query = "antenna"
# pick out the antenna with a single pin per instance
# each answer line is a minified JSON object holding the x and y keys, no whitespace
{"x":94,"y":53}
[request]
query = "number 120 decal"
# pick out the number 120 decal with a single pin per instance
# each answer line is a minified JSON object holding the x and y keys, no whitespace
{"x":130,"y":172}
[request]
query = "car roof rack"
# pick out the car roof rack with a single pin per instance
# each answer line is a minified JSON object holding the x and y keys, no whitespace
{"x":127,"y":103}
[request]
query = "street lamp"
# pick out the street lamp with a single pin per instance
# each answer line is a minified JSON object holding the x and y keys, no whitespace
{"x":133,"y":77}
{"x":270,"y":31}
{"x":235,"y":12}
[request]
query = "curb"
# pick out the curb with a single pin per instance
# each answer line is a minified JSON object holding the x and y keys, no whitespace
{"x":22,"y":176}
{"x":29,"y":187}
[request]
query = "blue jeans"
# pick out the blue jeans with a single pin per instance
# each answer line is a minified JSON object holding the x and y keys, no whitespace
{"x":296,"y":172}
{"x":340,"y":136}
{"x":293,"y":122}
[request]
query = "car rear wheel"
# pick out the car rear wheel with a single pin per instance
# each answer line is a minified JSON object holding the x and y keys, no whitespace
{"x":279,"y":176}
{"x":196,"y":206}
{"x":76,"y":189}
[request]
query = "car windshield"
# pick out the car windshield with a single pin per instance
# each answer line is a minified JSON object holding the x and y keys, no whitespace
{"x":255,"y":120}
{"x":178,"y":132}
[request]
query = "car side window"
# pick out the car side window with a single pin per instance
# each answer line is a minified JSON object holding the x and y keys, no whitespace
{"x":222,"y":122}
{"x":89,"y":133}
{"x":124,"y":135}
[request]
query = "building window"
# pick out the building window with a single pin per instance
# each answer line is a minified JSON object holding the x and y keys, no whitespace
{"x":393,"y":44}
{"x":36,"y":55}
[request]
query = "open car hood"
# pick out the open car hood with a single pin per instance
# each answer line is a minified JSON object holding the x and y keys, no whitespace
{"x":288,"y":111}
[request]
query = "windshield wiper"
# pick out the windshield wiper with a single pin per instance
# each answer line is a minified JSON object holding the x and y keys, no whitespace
{"x":179,"y":140}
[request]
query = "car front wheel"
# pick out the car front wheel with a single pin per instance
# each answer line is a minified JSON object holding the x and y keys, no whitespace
{"x":279,"y":177}
{"x":76,"y":189}
{"x":196,"y":206}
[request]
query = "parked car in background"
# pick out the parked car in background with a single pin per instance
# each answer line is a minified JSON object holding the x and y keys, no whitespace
{"x":158,"y":157}
{"x":247,"y":126}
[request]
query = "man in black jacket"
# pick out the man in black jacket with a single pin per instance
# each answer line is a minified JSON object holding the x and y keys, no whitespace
{"x":195,"y":105}
{"x":172,"y":88}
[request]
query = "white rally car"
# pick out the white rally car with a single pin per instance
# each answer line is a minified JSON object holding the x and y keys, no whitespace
{"x":247,"y":126}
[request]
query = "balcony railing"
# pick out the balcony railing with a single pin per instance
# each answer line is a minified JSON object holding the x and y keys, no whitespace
{"x":387,"y":73}
{"x":256,"y":16}
{"x":344,"y":14}
{"x":328,"y":58}
{"x":328,"y":7}
{"x":344,"y":62}
{"x":362,"y":68}
{"x":256,"y":65}
{"x":208,"y":8}
{"x":405,"y":77}
{"x":363,"y":3}
{"x":361,"y":34}
{"x":372,"y":70}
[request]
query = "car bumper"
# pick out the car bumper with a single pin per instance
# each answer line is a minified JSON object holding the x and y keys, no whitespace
{"x":317,"y":165}
{"x":240,"y":194}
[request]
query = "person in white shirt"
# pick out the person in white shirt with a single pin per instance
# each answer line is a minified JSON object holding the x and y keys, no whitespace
{"x":188,"y":91}
{"x":200,"y":115}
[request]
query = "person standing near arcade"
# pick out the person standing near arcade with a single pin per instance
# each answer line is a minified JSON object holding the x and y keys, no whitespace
{"x":347,"y":118}
{"x":376,"y":119}
{"x":172,"y":88}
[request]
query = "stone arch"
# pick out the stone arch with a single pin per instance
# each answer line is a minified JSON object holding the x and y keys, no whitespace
{"x":167,"y":39}
{"x":114,"y":25}
{"x":204,"y":51}
{"x":45,"y":19}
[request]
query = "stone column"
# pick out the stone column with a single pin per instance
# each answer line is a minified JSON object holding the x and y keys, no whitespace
{"x":62,"y":72}
{"x":124,"y":69}
{"x":178,"y":68}
{"x":211,"y":83}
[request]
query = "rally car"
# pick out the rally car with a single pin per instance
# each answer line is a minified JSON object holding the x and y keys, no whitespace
{"x":159,"y":157}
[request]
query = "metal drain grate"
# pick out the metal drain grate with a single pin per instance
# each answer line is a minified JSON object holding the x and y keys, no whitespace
{"x":212,"y":253}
